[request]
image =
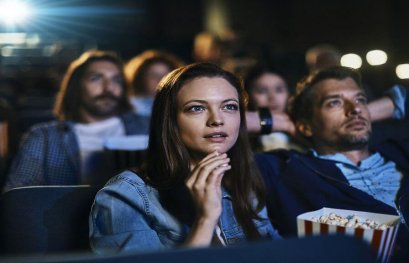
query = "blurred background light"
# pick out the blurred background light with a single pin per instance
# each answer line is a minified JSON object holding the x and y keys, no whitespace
{"x":14,"y":12}
{"x":32,"y":40}
{"x":6,"y":51}
{"x":12,"y":38}
{"x":402,"y":71}
{"x":376,"y":57}
{"x":351,"y":60}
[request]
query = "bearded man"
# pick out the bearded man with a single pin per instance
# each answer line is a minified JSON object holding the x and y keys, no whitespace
{"x":91,"y":106}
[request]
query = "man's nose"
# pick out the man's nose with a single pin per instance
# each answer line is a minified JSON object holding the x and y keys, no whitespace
{"x":109,"y":85}
{"x":352,"y":108}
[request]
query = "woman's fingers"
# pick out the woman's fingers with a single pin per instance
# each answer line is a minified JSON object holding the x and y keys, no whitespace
{"x":204,"y":185}
{"x":194,"y":171}
{"x":206,"y":166}
{"x":211,"y":167}
{"x":216,"y":176}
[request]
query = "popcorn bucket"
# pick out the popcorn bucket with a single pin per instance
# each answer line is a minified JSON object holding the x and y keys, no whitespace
{"x":381,"y":240}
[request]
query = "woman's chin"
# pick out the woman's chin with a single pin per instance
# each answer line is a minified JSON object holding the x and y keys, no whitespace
{"x":219,"y":149}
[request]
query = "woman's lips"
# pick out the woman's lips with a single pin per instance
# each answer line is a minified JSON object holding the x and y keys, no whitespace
{"x":216,"y":137}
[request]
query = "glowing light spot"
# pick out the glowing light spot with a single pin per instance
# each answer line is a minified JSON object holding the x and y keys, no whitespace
{"x":14,"y":12}
{"x":402,"y":71}
{"x":376,"y":57}
{"x":351,"y":60}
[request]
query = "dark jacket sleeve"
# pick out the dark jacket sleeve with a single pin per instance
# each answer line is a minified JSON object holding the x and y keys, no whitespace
{"x":27,"y":166}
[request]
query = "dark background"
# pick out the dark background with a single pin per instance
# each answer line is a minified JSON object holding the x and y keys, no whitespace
{"x":279,"y":30}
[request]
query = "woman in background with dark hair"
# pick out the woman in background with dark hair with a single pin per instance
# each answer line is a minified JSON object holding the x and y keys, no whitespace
{"x":268,"y":90}
{"x":199,"y":185}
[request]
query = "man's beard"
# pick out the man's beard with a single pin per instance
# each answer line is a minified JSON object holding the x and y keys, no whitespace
{"x":354,"y":142}
{"x":102,"y":110}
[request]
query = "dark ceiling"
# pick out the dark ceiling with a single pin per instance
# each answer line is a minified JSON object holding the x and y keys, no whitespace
{"x":284,"y":28}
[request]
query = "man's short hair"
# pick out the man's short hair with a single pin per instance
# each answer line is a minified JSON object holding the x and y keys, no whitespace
{"x":302,"y":103}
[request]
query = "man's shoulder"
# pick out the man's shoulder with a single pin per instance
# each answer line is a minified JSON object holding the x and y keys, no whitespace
{"x":292,"y":161}
{"x":394,"y":150}
{"x":283,"y":155}
{"x":49,"y":127}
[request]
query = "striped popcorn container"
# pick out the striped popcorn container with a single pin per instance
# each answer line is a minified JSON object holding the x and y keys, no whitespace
{"x":382,"y":241}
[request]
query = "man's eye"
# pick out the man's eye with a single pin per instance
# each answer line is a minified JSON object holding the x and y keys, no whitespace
{"x":232,"y":107}
{"x":196,"y":108}
{"x":362,"y":101}
{"x":118,"y":80}
{"x":334,"y":103}
{"x":95,"y":77}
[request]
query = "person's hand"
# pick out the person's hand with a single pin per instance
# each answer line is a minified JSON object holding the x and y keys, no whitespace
{"x":204,"y":185}
{"x":283,"y":123}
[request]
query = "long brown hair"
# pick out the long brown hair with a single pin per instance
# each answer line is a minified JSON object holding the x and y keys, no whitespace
{"x":168,"y":159}
{"x":68,"y":99}
{"x":136,"y":68}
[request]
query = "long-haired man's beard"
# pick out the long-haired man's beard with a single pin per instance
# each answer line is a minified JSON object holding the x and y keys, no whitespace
{"x":104,"y":105}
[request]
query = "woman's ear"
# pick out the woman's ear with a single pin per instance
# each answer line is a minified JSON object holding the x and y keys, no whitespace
{"x":304,"y":128}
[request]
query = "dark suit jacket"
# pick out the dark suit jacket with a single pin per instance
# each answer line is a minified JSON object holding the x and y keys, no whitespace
{"x":298,"y":183}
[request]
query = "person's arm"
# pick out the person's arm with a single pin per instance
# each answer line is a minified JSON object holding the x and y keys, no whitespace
{"x":125,"y":217}
{"x":393,"y":105}
{"x":281,"y":122}
{"x":204,"y":185}
{"x":381,"y":109}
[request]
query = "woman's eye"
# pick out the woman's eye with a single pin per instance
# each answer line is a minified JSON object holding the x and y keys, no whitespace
{"x":232,"y":107}
{"x":195,"y":108}
{"x":280,"y":89}
{"x":260,"y":90}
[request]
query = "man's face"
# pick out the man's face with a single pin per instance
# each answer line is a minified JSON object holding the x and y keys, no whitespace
{"x":341,"y":120}
{"x":102,"y":87}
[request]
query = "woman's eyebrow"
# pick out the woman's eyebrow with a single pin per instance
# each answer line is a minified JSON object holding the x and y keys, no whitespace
{"x":207,"y":102}
{"x":195,"y":100}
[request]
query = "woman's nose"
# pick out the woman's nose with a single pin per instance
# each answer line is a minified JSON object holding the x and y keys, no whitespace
{"x":215,"y":120}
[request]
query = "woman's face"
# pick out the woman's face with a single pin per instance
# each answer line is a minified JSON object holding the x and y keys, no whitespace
{"x":270,"y":90}
{"x":153,"y":75}
{"x":208,"y":116}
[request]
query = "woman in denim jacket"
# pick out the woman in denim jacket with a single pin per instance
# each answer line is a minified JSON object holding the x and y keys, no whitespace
{"x":199,"y":185}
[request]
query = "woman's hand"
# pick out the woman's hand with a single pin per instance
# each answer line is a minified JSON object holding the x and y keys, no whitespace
{"x":204,"y":185}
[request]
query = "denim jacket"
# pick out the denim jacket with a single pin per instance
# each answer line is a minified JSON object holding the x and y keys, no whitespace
{"x":128,"y":216}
